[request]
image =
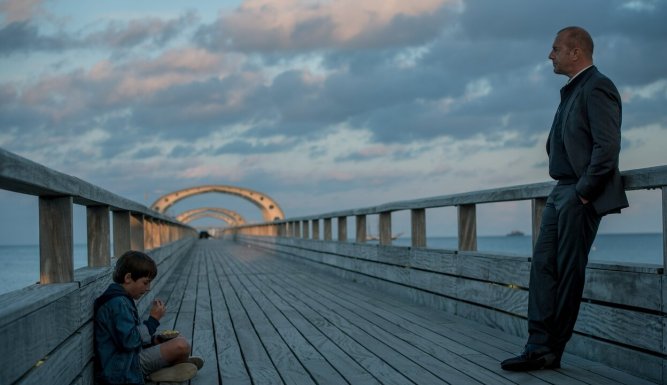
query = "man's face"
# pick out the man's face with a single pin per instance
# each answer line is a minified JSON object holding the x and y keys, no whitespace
{"x":136,"y":288}
{"x":562,"y":57}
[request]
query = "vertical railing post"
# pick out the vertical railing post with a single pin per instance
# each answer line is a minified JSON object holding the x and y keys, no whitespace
{"x":121,"y":233}
{"x":99,"y":236}
{"x":384,"y":228}
{"x":297,"y":229}
{"x":467,"y":222}
{"x":361,"y":228}
{"x":306,"y":229}
{"x":342,"y":229}
{"x":537,"y":207}
{"x":56,"y":239}
{"x":327,"y":229}
{"x":137,"y":232}
{"x":418,"y":225}
{"x":664,"y":230}
{"x":160,"y":232}
{"x":316,"y":229}
{"x":148,"y":233}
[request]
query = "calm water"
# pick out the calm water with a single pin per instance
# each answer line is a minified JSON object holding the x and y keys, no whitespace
{"x":20,"y":264}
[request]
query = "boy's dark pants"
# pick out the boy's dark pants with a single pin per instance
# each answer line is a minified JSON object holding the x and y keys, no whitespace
{"x":558,"y":268}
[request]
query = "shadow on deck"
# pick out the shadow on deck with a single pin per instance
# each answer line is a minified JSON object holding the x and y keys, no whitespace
{"x":261,"y":319}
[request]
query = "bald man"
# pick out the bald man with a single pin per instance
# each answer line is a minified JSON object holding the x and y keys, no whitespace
{"x":583,"y":149}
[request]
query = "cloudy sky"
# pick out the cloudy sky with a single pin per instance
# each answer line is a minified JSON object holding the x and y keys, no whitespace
{"x":323,"y":104}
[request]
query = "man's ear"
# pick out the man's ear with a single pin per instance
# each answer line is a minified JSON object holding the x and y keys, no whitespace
{"x":127,"y":278}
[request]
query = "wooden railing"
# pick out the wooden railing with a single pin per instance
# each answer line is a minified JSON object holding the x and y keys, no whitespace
{"x":622,"y":320}
{"x":46,"y":330}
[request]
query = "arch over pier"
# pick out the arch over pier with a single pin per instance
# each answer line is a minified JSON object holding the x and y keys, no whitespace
{"x":231,"y":217}
{"x":271,"y":211}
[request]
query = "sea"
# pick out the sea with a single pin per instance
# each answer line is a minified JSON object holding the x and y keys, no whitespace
{"x":20,"y":263}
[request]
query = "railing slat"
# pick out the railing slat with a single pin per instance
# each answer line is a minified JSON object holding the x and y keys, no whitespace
{"x":467,"y":215}
{"x":418,"y":225}
{"x":99,"y":236}
{"x":56,"y":239}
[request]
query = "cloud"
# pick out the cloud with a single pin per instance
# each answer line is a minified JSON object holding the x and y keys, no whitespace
{"x":25,"y":35}
{"x":19,"y":10}
{"x":138,"y":32}
{"x":299,"y":25}
{"x":331,"y":97}
{"x":22,"y":36}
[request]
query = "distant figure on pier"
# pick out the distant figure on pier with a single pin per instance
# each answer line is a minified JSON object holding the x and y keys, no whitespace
{"x":128,"y":351}
{"x":583,"y":149}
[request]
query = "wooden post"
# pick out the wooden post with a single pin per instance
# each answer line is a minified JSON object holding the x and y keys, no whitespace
{"x":56,"y":240}
{"x":121,"y":233}
{"x":361,"y":229}
{"x":99,"y":236}
{"x":316,"y":229}
{"x":306,"y":229}
{"x":149,"y":231}
{"x":418,"y":224}
{"x":327,"y":229}
{"x":384,"y":228}
{"x":467,"y":227}
{"x":297,"y":229}
{"x":537,"y":207}
{"x":159,"y":236}
{"x":342,"y":229}
{"x":137,"y":232}
{"x":664,"y":230}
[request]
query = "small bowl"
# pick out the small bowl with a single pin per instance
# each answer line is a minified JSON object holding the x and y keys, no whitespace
{"x":169,"y":334}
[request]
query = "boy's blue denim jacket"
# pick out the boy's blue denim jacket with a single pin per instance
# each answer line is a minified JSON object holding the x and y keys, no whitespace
{"x":119,"y":337}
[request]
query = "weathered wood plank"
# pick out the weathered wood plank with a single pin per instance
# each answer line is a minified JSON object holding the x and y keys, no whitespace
{"x":645,"y":178}
{"x":411,"y":345}
{"x":337,"y":357}
{"x":99,"y":236}
{"x":290,"y":368}
{"x":419,"y":318}
{"x":36,"y":331}
{"x":384,"y":228}
{"x":603,"y":283}
{"x":257,"y":361}
{"x":63,"y":365}
{"x":418,"y":227}
{"x":422,"y":286}
{"x":203,"y":339}
{"x":56,"y":239}
{"x":231,"y":366}
{"x":24,"y":176}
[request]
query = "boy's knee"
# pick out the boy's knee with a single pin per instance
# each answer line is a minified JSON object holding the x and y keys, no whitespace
{"x":182,"y":345}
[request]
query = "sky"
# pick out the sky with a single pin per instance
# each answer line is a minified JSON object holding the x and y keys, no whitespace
{"x":324,"y":105}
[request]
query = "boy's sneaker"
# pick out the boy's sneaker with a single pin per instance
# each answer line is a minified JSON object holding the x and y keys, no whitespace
{"x":177,"y":373}
{"x":196,"y":361}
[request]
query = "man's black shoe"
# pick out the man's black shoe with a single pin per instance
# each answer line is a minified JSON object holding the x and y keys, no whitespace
{"x":532,"y":358}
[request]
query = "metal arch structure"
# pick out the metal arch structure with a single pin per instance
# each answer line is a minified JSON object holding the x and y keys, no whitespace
{"x":270,"y":209}
{"x":231,"y":217}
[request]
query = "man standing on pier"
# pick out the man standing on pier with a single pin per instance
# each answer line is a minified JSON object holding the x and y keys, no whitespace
{"x":583,"y":149}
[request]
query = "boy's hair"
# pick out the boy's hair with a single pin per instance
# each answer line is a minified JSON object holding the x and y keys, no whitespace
{"x":138,"y":264}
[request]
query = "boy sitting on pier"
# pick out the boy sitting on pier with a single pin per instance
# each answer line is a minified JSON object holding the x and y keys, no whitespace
{"x":128,"y":351}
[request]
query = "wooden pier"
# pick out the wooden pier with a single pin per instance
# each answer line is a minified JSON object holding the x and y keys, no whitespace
{"x":283,"y":302}
{"x":259,"y":318}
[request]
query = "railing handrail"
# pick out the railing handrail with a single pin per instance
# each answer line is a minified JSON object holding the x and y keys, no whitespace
{"x":24,"y":176}
{"x":636,"y":179}
{"x":135,"y":226}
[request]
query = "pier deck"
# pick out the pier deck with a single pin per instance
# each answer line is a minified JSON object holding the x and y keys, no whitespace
{"x":261,"y":319}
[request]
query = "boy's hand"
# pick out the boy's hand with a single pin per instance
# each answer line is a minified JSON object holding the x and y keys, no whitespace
{"x":158,"y":309}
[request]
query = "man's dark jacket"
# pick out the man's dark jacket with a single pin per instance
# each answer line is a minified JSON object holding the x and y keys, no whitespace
{"x":591,"y":128}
